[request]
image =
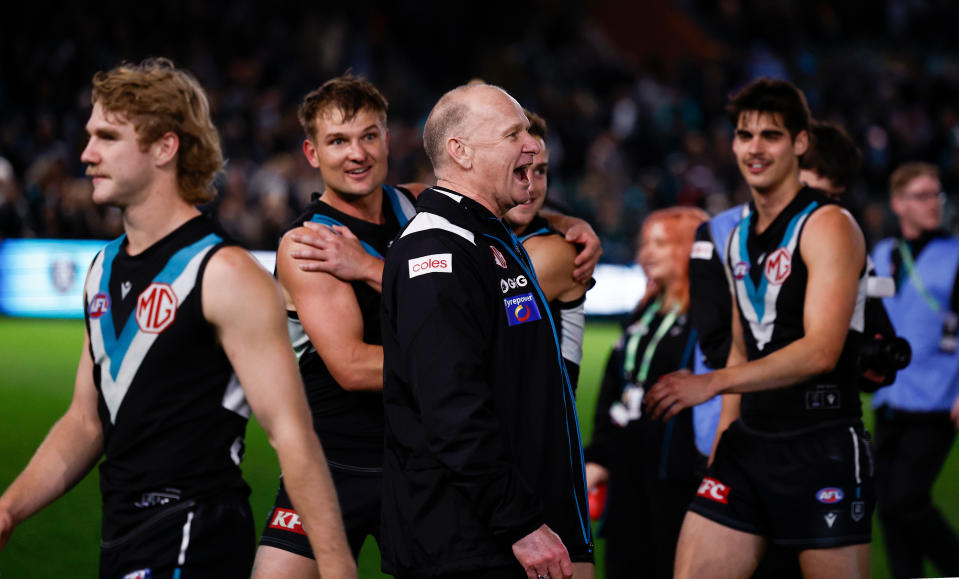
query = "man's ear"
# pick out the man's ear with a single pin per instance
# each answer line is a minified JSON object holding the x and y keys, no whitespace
{"x":309,"y":151}
{"x":801,"y":143}
{"x":895,"y":203}
{"x":460,"y":152}
{"x":165,"y":148}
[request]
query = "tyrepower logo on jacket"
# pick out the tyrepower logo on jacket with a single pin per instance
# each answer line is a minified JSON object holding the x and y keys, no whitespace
{"x":286,"y":520}
{"x":431,"y":264}
{"x":521,"y":309}
{"x":713,"y":490}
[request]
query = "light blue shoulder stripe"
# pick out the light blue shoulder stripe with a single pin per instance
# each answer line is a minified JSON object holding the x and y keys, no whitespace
{"x":329,"y":221}
{"x":402,"y":207}
{"x":540,"y":231}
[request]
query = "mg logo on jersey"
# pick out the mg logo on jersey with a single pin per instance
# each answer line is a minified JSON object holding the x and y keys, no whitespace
{"x":829,"y":495}
{"x":156,"y":308}
{"x":141,"y":574}
{"x":287,"y":520}
{"x":713,"y":490}
{"x":498,"y":257}
{"x":99,"y":305}
{"x":741,"y":269}
{"x":778,"y":266}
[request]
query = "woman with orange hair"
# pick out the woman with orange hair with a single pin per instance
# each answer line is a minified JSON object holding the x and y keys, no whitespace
{"x":652,"y":468}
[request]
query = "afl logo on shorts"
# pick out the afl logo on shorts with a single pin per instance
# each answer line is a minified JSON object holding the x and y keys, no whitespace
{"x":99,"y":305}
{"x":498,"y":257}
{"x":829,"y":495}
{"x":156,"y":308}
{"x":778,"y":266}
{"x":741,"y":269}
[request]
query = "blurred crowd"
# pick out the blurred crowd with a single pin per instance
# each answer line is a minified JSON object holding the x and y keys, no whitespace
{"x":634,"y":94}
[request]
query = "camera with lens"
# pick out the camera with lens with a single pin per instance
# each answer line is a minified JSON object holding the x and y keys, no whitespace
{"x":880,"y":357}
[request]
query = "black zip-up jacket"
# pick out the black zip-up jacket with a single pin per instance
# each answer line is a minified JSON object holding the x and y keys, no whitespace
{"x":482,"y":440}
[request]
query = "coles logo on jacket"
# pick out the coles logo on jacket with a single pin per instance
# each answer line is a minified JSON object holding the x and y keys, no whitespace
{"x":438,"y":262}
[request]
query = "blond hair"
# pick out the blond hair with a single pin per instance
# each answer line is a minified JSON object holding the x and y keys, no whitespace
{"x":157,"y":98}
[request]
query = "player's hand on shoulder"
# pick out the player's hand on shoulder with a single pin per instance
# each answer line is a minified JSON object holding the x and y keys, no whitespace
{"x":582,"y":234}
{"x":542,"y":553}
{"x":330,"y":249}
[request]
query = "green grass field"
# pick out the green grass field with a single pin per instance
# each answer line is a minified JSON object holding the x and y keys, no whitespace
{"x":37,"y":365}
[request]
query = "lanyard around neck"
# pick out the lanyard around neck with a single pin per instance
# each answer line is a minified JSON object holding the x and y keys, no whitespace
{"x":910,"y":264}
{"x":632,"y":345}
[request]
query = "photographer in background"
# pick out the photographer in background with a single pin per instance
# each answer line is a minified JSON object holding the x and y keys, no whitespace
{"x":917,"y":416}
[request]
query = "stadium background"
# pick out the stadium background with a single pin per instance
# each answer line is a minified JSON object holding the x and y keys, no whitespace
{"x":633,"y":91}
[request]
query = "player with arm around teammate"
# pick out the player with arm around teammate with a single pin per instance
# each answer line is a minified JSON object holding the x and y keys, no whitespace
{"x":553,"y":257}
{"x":335,"y":324}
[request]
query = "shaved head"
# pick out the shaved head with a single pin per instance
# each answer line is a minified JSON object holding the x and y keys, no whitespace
{"x":455,"y":114}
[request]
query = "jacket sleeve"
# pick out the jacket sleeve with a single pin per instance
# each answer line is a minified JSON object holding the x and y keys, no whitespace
{"x":603,"y":442}
{"x":710,"y":303}
{"x":444,"y":327}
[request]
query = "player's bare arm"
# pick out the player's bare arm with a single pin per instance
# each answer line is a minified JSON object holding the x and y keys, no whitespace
{"x":579,"y":232}
{"x":244,"y":304}
{"x":834,"y":251}
{"x":331,"y":316}
{"x":70,"y":450}
{"x":553,"y":262}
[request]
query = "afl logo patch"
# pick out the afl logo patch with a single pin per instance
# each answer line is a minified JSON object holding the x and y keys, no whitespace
{"x":99,"y":305}
{"x":829,"y":495}
{"x":741,"y":269}
{"x":778,"y":266}
{"x":156,"y":308}
{"x":498,"y":257}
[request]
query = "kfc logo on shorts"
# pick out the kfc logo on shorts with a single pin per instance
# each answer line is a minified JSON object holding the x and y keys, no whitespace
{"x":438,"y":262}
{"x":829,"y":495}
{"x":512,"y":283}
{"x":287,"y":520}
{"x":99,"y":305}
{"x":778,"y":266}
{"x":156,"y":308}
{"x":741,"y":269}
{"x":498,"y":257}
{"x":140,"y":574}
{"x":713,"y":490}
